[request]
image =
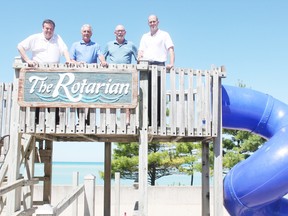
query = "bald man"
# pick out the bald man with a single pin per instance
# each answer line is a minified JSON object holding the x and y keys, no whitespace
{"x":120,"y":50}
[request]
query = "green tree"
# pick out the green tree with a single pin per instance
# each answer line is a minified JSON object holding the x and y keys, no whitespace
{"x":163,"y":159}
{"x":239,"y":145}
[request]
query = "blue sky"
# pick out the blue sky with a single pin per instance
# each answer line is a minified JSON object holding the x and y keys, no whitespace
{"x":250,"y":38}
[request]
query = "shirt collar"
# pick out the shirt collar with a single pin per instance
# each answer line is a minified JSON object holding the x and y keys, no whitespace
{"x":124,"y":42}
{"x":51,"y":39}
{"x":83,"y":42}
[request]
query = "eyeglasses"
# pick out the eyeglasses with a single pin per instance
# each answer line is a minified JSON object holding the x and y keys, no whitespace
{"x":153,"y":21}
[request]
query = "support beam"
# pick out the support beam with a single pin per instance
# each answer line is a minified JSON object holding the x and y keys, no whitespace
{"x":205,"y":179}
{"x":47,"y":187}
{"x":143,"y":145}
{"x":107,"y":180}
{"x":218,"y":162}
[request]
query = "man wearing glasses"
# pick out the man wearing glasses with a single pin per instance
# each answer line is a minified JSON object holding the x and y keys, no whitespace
{"x":121,"y":51}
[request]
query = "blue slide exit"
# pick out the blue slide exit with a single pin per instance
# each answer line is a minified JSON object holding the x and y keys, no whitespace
{"x":257,"y":185}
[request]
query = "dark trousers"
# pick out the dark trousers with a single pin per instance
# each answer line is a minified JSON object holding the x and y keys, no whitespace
{"x":158,"y":93}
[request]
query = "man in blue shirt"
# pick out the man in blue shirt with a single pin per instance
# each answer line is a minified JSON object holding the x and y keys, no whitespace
{"x":86,"y":51}
{"x":120,"y":51}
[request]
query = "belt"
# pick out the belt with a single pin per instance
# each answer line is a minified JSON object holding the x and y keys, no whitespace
{"x":156,"y":63}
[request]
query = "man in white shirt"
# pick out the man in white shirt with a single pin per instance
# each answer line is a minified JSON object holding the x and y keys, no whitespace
{"x":45,"y":47}
{"x":155,"y":46}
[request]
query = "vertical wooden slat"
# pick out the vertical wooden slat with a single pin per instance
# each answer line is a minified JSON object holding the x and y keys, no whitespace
{"x":42,"y":120}
{"x":6,"y":115}
{"x":50,"y":120}
{"x":71,"y":120}
{"x":191,"y":104}
{"x":154,"y":99}
{"x":30,"y":119}
{"x":102,"y":127}
{"x":215,"y":104}
{"x":9,"y":96}
{"x":181,"y":110}
{"x":2,"y":106}
{"x":173,"y":107}
{"x":81,"y":113}
{"x":111,"y":121}
{"x":163,"y":102}
{"x":92,"y":127}
{"x":131,"y":129}
{"x":207,"y":104}
{"x":123,"y":121}
{"x":22,"y":119}
{"x":61,"y":128}
{"x":199,"y":99}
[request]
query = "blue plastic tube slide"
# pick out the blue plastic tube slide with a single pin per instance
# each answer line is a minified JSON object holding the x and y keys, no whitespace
{"x":258,"y":185}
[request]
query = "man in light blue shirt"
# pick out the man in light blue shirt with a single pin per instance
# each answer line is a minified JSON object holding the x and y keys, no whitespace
{"x":86,"y":51}
{"x":120,"y":51}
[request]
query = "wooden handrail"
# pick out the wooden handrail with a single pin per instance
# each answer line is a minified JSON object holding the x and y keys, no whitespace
{"x":19,"y":183}
{"x":66,"y":202}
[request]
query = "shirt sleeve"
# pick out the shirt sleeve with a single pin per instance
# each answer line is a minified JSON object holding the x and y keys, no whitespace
{"x":72,"y":52}
{"x":61,"y":44}
{"x":134,"y":51}
{"x":26,"y":43}
{"x":168,"y":41}
{"x":106,"y":51}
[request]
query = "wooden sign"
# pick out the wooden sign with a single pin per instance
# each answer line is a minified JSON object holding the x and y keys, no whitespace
{"x":102,"y":88}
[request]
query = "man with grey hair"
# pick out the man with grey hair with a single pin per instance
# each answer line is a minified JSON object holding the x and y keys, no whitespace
{"x":86,"y":51}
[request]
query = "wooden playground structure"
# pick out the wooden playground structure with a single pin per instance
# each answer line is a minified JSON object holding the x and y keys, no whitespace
{"x":28,"y":127}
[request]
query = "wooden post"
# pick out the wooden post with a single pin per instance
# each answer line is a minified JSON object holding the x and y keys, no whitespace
{"x":218,"y":165}
{"x":107,"y":180}
{"x":205,"y":179}
{"x":143,"y":142}
{"x":14,"y":154}
{"x":75,"y":185}
{"x":47,"y":185}
{"x":117,"y":194}
{"x":89,"y":195}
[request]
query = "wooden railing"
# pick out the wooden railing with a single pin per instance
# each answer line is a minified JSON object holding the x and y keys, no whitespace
{"x":189,"y":108}
{"x":88,"y":189}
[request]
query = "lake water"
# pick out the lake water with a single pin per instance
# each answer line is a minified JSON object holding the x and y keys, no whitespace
{"x":62,"y":173}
